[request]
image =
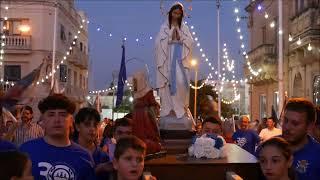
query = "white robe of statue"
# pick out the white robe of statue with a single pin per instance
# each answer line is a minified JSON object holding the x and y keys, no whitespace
{"x":179,"y":102}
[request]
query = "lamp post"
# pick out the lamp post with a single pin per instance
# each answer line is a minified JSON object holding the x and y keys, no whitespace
{"x":218,"y":52}
{"x":194,"y":63}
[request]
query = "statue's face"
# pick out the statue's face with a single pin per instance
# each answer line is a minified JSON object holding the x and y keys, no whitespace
{"x":176,"y":14}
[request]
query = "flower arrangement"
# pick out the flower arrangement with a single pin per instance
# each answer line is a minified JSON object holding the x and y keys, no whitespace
{"x":207,"y":146}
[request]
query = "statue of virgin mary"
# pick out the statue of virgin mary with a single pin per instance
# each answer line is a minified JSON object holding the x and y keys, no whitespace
{"x":173,"y":54}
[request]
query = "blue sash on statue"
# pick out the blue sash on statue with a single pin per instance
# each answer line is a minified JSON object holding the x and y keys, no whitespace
{"x":177,"y":59}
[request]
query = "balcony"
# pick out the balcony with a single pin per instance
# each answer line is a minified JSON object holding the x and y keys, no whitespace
{"x":264,"y":57}
{"x":78,"y":58}
{"x":16,"y":44}
{"x":265,"y":53}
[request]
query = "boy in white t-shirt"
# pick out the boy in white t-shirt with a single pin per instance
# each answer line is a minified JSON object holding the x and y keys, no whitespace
{"x":270,"y":131}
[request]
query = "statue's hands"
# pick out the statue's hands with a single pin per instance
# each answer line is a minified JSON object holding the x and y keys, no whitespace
{"x":177,"y":35}
{"x":174,"y":34}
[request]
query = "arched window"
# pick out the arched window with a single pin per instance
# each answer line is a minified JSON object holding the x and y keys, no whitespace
{"x":316,"y":90}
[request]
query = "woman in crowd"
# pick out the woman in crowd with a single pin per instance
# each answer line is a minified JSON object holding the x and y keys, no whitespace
{"x":276,"y":159}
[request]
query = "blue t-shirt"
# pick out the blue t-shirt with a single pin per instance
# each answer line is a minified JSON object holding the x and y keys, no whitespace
{"x":51,"y":162}
{"x":99,"y":156}
{"x":247,"y":140}
{"x":306,"y":161}
{"x":7,"y":146}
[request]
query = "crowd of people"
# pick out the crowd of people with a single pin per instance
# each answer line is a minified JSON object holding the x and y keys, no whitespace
{"x":71,"y":146}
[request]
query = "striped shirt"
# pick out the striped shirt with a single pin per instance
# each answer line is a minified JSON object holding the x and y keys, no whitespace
{"x":27,"y":132}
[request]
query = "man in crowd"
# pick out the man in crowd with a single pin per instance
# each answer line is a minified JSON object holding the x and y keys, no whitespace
{"x":26,"y":130}
{"x":244,"y":137}
{"x":54,"y":156}
{"x":122,"y":127}
{"x":299,"y":117}
{"x":270,"y":131}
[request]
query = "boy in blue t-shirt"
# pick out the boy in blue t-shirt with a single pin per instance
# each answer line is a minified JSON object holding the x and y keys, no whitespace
{"x":86,"y":127}
{"x":54,"y":156}
{"x":244,"y":137}
{"x":299,"y":117}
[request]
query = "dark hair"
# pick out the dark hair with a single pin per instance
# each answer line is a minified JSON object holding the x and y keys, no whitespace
{"x":12,"y":164}
{"x":284,"y":148}
{"x":29,"y":108}
{"x":272,"y":118}
{"x":213,"y":120}
{"x":56,"y":101}
{"x":123,"y":144}
{"x":302,"y":105}
{"x":174,"y":7}
{"x":122,"y":122}
{"x":87,"y":113}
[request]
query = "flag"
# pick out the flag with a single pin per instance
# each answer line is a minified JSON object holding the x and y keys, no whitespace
{"x":56,"y":89}
{"x":97,"y":103}
{"x":122,"y":78}
{"x":14,"y":94}
{"x":7,"y":116}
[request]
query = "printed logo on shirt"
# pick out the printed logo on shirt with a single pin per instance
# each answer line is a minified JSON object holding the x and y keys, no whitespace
{"x":241,"y":141}
{"x":56,"y":171}
{"x":302,"y":166}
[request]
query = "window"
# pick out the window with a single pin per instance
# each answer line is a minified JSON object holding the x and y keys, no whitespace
{"x":80,"y":80}
{"x":276,"y":101}
{"x":63,"y":73}
{"x":301,"y":5}
{"x":75,"y":78}
{"x":62,"y":33}
{"x":316,"y":90}
{"x":264,"y":34}
{"x":296,"y":6}
{"x":81,"y":46}
{"x":12,"y":72}
{"x":70,"y":38}
{"x":69,"y":76}
{"x":263,"y":106}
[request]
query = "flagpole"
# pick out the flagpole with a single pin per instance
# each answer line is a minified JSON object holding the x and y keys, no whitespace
{"x":54,"y":43}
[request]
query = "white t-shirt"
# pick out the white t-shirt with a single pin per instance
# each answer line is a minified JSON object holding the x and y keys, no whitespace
{"x":266,"y":134}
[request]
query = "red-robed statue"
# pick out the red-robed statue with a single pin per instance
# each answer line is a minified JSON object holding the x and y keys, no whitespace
{"x":145,"y":112}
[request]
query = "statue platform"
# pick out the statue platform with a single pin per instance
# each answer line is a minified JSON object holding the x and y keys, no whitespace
{"x":180,"y":166}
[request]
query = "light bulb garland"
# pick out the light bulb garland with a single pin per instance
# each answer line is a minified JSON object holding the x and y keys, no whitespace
{"x":280,"y":31}
{"x":44,"y":79}
{"x":3,"y":37}
{"x":242,"y":47}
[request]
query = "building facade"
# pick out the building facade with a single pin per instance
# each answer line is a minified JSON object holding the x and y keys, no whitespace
{"x":301,"y":68}
{"x":28,"y":29}
{"x":304,"y":50}
{"x":263,"y":54}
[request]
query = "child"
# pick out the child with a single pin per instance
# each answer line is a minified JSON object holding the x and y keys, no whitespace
{"x":276,"y":159}
{"x":87,"y":121}
{"x":15,"y":166}
{"x":129,"y":158}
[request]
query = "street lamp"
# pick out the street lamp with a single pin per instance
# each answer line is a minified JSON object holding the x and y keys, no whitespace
{"x":194,"y":63}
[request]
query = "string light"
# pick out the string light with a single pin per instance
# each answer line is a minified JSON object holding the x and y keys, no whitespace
{"x":54,"y":70}
{"x":309,"y":47}
{"x":290,"y":38}
{"x":242,"y":46}
{"x":299,"y":41}
{"x":272,"y":24}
